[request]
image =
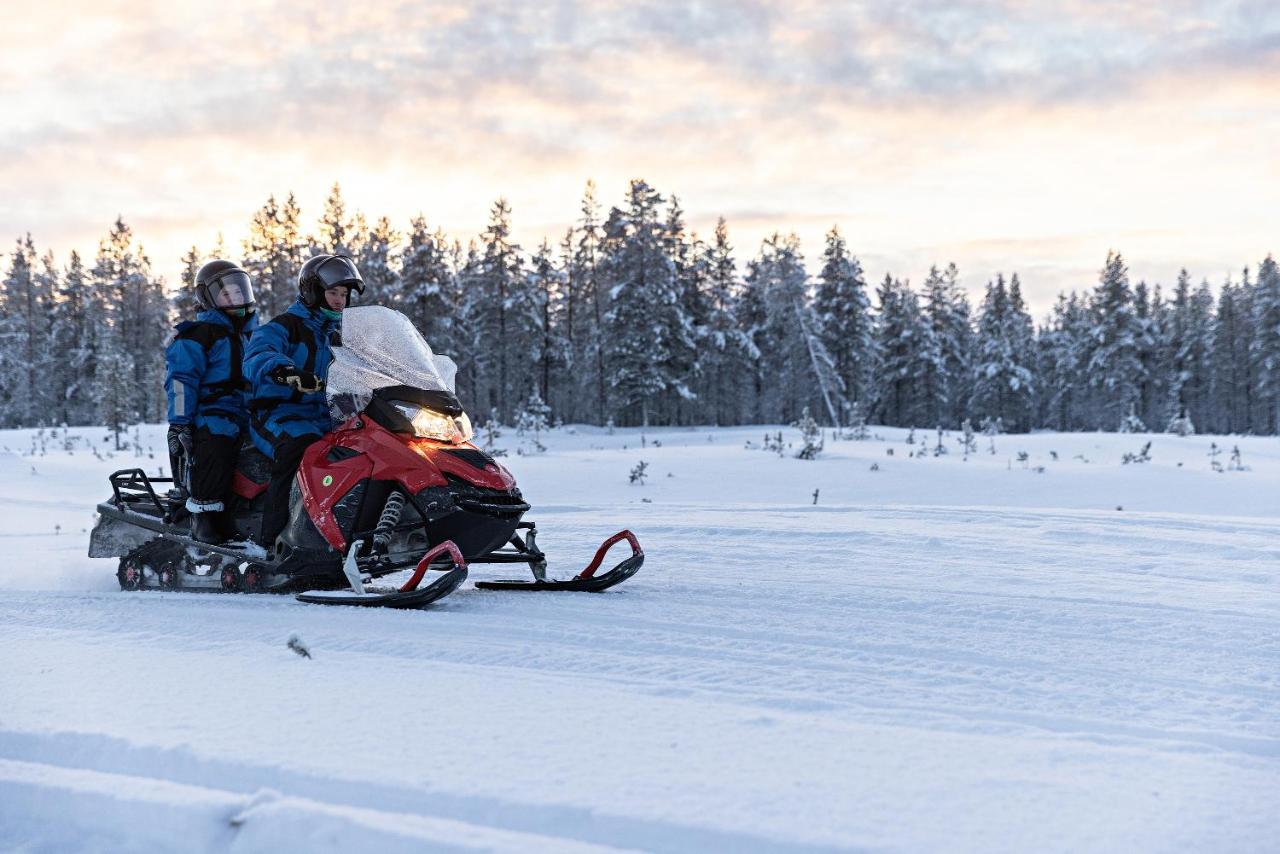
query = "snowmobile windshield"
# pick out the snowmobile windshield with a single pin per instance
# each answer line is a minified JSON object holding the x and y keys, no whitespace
{"x":380,"y":348}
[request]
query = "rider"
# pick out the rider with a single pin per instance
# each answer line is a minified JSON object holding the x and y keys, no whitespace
{"x":204,"y":382}
{"x":288,"y":362}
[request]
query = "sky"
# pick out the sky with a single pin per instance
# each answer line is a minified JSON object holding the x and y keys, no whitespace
{"x":1004,"y":136}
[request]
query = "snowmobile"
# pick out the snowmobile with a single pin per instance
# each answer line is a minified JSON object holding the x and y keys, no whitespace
{"x":398,"y":484}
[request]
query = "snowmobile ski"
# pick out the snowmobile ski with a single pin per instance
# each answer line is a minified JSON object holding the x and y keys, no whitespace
{"x":584,"y":582}
{"x":408,"y":595}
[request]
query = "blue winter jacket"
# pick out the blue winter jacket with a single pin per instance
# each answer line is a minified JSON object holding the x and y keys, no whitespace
{"x":299,"y":338}
{"x":204,"y":378}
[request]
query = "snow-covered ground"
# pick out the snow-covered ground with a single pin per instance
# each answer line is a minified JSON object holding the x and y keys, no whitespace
{"x":994,"y":654}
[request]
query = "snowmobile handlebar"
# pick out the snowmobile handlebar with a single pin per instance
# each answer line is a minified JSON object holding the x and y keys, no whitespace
{"x":636,"y":551}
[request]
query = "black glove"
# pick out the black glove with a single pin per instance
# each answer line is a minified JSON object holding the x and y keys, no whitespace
{"x":179,"y":439}
{"x":301,"y":381}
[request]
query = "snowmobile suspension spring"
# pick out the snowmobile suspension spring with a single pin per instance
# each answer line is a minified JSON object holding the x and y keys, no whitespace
{"x":388,"y":520}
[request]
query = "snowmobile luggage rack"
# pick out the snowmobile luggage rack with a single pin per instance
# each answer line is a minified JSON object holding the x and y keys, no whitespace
{"x":133,"y":486}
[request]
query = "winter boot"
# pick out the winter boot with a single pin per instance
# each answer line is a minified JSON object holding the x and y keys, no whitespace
{"x":204,"y":528}
{"x":204,"y":523}
{"x":226,"y":525}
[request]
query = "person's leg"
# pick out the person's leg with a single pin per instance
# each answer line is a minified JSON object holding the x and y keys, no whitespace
{"x":275,"y":511}
{"x":213,"y":464}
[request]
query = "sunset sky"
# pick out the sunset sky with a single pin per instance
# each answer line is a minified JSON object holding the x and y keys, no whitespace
{"x":1001,"y":135}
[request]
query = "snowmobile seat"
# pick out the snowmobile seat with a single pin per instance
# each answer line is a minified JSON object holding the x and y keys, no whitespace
{"x":253,"y":472}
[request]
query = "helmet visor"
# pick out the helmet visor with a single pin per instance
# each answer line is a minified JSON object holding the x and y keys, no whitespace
{"x":340,"y":270}
{"x":232,"y":290}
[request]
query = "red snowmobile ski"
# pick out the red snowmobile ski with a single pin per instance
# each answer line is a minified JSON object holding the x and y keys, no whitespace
{"x":397,"y":485}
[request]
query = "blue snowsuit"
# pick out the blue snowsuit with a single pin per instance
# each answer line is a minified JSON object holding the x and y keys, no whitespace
{"x":203,"y":379}
{"x":285,"y":422}
{"x":299,"y":338}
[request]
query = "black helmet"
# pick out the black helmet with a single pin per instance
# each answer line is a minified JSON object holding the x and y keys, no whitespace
{"x":226,"y":287}
{"x":327,"y":271}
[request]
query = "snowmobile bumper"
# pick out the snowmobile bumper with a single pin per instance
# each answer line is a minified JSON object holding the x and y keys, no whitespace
{"x":586,"y":581}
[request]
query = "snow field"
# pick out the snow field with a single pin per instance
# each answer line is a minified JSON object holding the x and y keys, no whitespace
{"x":939,"y":655}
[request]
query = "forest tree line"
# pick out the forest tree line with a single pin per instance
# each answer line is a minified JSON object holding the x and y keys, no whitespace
{"x":629,"y":318}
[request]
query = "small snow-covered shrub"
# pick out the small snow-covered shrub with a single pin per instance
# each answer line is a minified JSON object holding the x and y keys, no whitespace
{"x":810,"y":435}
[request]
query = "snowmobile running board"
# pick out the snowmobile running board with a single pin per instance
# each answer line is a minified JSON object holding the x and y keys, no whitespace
{"x":586,"y":581}
{"x":409,"y":595}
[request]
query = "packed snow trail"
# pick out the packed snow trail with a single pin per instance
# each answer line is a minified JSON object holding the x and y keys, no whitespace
{"x":873,"y":675}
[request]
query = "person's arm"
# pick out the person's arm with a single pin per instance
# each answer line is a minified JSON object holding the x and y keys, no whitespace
{"x":185,"y":365}
{"x":269,"y":368}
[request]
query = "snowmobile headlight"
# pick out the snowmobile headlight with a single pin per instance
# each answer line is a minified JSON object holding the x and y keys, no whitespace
{"x":430,"y":424}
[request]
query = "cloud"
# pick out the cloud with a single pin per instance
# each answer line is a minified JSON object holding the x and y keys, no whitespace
{"x":912,"y":125}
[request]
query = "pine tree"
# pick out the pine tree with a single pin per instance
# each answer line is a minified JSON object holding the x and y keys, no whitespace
{"x":375,"y":260}
{"x":1152,"y":347}
{"x":586,"y":314}
{"x":906,"y":349}
{"x":1114,"y":368}
{"x":1002,"y":369}
{"x":75,"y":333}
{"x":802,"y":372}
{"x":1228,"y":376}
{"x":1265,"y":349}
{"x":427,"y":291}
{"x":545,"y":294}
{"x":338,"y":234}
{"x":947,"y":310}
{"x":185,"y":303}
{"x":844,"y":318}
{"x":642,"y":291}
{"x":135,"y":322}
{"x":496,"y":307}
{"x":27,"y":299}
{"x":273,"y":254}
{"x":687,"y":313}
{"x":727,"y":348}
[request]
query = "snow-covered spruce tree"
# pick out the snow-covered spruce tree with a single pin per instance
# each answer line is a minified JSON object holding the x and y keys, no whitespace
{"x":134,"y":318}
{"x":1113,"y":367}
{"x":112,"y":388}
{"x":1189,"y":345}
{"x":1265,"y":346}
{"x":727,"y":349}
{"x":427,"y":290}
{"x":497,"y":311}
{"x":688,"y":314}
{"x":1061,"y":363}
{"x":906,"y":355}
{"x":544,"y":289}
{"x":1229,"y":362}
{"x":273,"y":253}
{"x":752,"y":317}
{"x":950,"y":318}
{"x":1151,"y":338}
{"x":336,"y":232}
{"x":586,"y":311}
{"x":799,"y":371}
{"x":533,"y":418}
{"x":183,"y":302}
{"x":847,"y":327}
{"x":811,"y":441}
{"x":75,"y":334}
{"x":1022,"y":336}
{"x":26,"y":302}
{"x":1002,"y":386}
{"x":376,"y":258}
{"x":643,"y":295}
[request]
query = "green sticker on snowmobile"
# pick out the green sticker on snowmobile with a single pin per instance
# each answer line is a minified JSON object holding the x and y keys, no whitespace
{"x":328,"y":480}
